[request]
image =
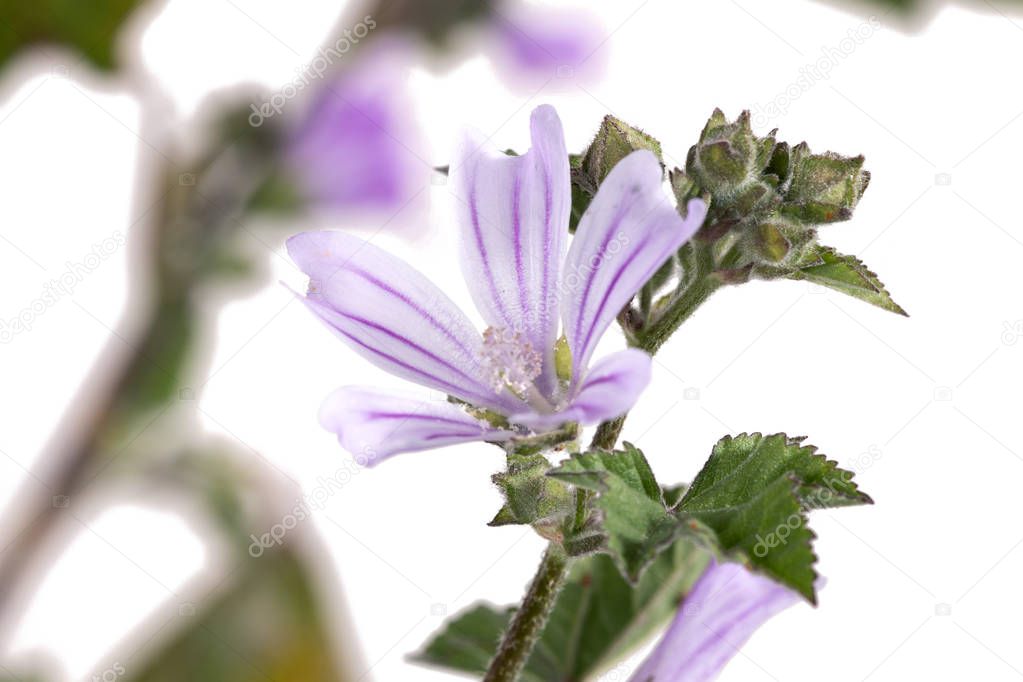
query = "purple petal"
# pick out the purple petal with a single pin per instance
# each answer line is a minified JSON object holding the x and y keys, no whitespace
{"x":393,"y":316}
{"x":629,"y":230}
{"x":612,"y":386}
{"x":610,"y":389}
{"x":355,"y":146}
{"x":513,"y":212}
{"x":373,"y":424}
{"x":722,"y":611}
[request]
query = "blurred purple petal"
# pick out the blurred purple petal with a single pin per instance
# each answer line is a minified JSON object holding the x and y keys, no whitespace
{"x":722,"y":611}
{"x":373,"y":424}
{"x":392,"y":315}
{"x":357,"y":147}
{"x":513,"y":212}
{"x":629,"y":230}
{"x":534,"y":44}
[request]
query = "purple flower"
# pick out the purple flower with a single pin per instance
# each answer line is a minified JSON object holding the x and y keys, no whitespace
{"x":534,"y":44}
{"x":354,"y":148}
{"x":513,"y":215}
{"x":722,"y":611}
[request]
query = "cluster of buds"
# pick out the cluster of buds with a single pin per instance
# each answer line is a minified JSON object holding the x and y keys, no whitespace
{"x":766,"y":198}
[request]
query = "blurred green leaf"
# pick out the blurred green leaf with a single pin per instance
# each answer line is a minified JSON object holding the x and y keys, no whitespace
{"x":267,"y":626}
{"x":89,"y":27}
{"x":435,"y":20}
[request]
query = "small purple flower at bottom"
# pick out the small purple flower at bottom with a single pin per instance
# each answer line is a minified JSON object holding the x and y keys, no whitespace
{"x":722,"y":611}
{"x":545,"y":308}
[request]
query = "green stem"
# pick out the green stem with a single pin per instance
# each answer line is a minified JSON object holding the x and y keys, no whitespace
{"x":528,"y":622}
{"x":678,"y":311}
{"x":607,"y":434}
{"x":685,"y":304}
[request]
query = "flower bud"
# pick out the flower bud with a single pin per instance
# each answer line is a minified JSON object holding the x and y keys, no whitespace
{"x":614,"y":141}
{"x":728,"y":156}
{"x":823,"y":188}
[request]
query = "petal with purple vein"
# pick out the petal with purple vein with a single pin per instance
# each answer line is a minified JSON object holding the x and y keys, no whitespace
{"x":393,"y":315}
{"x":513,"y":213}
{"x":610,"y":389}
{"x":374,"y":424}
{"x":629,"y":230}
{"x":722,"y":611}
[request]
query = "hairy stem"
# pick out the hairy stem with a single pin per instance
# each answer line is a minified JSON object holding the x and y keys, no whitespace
{"x":606,"y":436}
{"x":529,"y":619}
{"x":691,"y":298}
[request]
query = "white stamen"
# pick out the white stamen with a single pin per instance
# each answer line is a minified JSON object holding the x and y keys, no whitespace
{"x":511,"y":361}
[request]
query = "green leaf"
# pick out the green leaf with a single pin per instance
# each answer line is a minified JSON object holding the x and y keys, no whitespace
{"x":633,"y":517}
{"x":268,"y":624}
{"x":598,"y":619}
{"x":846,"y":274}
{"x":751,"y":461}
{"x":754,"y":492}
{"x":770,"y":527}
{"x":531,"y":497}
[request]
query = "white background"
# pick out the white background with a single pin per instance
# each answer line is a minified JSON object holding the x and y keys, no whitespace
{"x":924,"y":585}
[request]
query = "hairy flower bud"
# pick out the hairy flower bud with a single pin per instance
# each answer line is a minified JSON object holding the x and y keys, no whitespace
{"x":614,"y":141}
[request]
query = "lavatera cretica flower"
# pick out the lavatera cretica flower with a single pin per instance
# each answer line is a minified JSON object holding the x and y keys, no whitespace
{"x":545,"y":309}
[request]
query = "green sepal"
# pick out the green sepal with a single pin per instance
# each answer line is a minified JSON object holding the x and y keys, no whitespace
{"x":685,"y":188}
{"x":531,"y":497}
{"x":771,"y":242}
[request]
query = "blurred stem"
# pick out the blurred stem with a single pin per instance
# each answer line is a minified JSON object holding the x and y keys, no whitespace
{"x":187,"y":228}
{"x":530,"y":618}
